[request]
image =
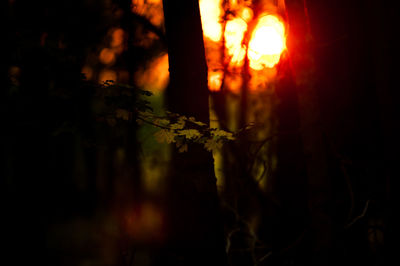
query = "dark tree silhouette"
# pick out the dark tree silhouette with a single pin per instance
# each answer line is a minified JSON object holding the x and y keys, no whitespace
{"x":196,"y":227}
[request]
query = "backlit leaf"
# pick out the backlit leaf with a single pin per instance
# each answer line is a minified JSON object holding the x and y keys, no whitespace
{"x":190,"y":133}
{"x":165,"y":136}
{"x":212,"y":145}
{"x":222,"y":133}
{"x":178,"y":125}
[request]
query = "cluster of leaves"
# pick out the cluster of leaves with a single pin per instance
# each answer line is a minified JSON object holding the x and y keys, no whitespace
{"x":182,"y":130}
{"x":115,"y":103}
{"x":127,"y":103}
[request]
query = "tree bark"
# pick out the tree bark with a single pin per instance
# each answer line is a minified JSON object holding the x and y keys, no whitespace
{"x":314,"y":147}
{"x":196,"y":235}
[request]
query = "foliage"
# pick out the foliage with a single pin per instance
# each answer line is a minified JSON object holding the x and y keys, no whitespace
{"x":115,"y":103}
{"x":119,"y":103}
{"x":182,"y":130}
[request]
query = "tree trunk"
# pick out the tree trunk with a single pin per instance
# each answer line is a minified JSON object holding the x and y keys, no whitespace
{"x":196,"y":235}
{"x":318,"y":181}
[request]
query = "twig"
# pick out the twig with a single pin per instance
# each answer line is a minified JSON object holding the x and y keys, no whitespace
{"x":267,"y":139}
{"x":151,"y":123}
{"x":266,"y":168}
{"x":228,"y":239}
{"x":359,"y":216}
{"x":265,"y":257}
{"x":149,"y":26}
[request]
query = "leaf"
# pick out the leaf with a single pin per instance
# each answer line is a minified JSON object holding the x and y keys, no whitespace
{"x":222,"y":133}
{"x":145,"y":113}
{"x":181,"y":145}
{"x":193,"y":120}
{"x":161,"y":121}
{"x":200,"y":123}
{"x":178,"y":125}
{"x":190,"y":133}
{"x":212,"y":145}
{"x":165,"y":136}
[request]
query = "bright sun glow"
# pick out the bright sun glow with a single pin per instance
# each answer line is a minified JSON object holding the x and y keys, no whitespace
{"x":246,"y":14}
{"x":267,"y":43}
{"x":211,"y":12}
{"x":155,"y":77}
{"x":215,"y":80}
{"x":234,"y":32}
{"x":230,"y":23}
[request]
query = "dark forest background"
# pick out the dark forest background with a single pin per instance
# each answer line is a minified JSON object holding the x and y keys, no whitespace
{"x":71,"y":192}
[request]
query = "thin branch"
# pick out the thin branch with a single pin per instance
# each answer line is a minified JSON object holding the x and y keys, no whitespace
{"x":267,"y":139}
{"x":265,"y":257}
{"x":149,"y":26}
{"x":359,"y":216}
{"x":151,"y":123}
{"x":296,"y":242}
{"x":228,"y":239}
{"x":265,"y":170}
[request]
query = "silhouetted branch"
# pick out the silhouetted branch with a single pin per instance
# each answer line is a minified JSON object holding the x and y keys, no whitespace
{"x":265,"y":256}
{"x":228,"y":239}
{"x":150,"y":26}
{"x":359,"y":216}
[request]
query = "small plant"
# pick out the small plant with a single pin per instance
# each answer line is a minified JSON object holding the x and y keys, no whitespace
{"x":122,"y":103}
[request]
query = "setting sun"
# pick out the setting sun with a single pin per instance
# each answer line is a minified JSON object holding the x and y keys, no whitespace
{"x":267,"y":43}
{"x":234,"y":32}
{"x":233,"y":35}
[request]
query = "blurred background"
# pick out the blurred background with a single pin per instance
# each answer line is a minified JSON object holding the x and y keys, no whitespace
{"x":308,"y":89}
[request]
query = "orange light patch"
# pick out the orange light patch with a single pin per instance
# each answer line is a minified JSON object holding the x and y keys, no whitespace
{"x":107,"y":75}
{"x":145,"y":38}
{"x":233,"y":3}
{"x":267,"y":43}
{"x":215,"y":80}
{"x":234,"y":83}
{"x":261,"y":78}
{"x":151,"y":9}
{"x":88,"y":71}
{"x":145,"y":223}
{"x":156,"y":76}
{"x":117,"y":40}
{"x":246,"y":14}
{"x":234,"y":33}
{"x":117,"y":37}
{"x":107,"y":56}
{"x":211,"y":12}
